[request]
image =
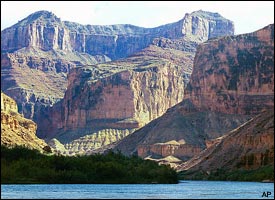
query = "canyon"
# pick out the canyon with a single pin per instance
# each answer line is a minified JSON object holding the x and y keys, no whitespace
{"x":114,"y":99}
{"x":183,"y":94}
{"x":123,"y":76}
{"x":232,"y":81}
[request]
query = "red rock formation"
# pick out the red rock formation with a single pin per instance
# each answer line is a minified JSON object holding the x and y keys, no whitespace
{"x":16,"y":130}
{"x":235,"y":74}
{"x":33,"y":82}
{"x":110,"y":97}
{"x":249,"y":147}
{"x":137,"y":95}
{"x":35,"y":79}
{"x":182,"y":151}
{"x":46,"y":31}
{"x":232,"y":80}
{"x":41,"y":49}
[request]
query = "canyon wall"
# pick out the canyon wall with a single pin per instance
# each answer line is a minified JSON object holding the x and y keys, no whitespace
{"x":38,"y":52}
{"x":248,"y":147}
{"x":46,"y":31}
{"x":41,"y":50}
{"x":110,"y":101}
{"x":171,"y":148}
{"x":235,"y":74}
{"x":232,"y":81}
{"x":15,"y":129}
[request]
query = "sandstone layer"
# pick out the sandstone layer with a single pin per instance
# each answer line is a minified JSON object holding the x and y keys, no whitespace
{"x":195,"y":128}
{"x":106,"y":102}
{"x":232,"y":80}
{"x":15,"y":129}
{"x":46,"y":31}
{"x":38,"y":52}
{"x":235,"y":74}
{"x":105,"y":98}
{"x":250,"y":146}
{"x":173,"y":148}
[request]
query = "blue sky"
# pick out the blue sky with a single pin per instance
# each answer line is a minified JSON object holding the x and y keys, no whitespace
{"x":248,"y":16}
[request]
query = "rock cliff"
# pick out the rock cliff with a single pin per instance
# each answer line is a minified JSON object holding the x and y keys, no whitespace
{"x":235,"y":74}
{"x":195,"y":128}
{"x":37,"y":79}
{"x":177,"y":149}
{"x":250,"y":146}
{"x":46,"y":31}
{"x":33,"y":82}
{"x":105,"y":98}
{"x":38,"y":52}
{"x":106,"y":102}
{"x":15,"y":129}
{"x":232,"y":80}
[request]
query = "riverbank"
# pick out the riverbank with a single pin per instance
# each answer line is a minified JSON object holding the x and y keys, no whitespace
{"x":262,"y":174}
{"x":24,"y":166}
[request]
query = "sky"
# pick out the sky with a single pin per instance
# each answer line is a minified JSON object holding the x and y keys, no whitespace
{"x":248,"y":16}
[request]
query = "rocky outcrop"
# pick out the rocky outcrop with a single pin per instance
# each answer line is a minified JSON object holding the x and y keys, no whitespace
{"x":250,"y":146}
{"x":8,"y":104}
{"x":38,"y":52}
{"x":92,"y":142}
{"x":108,"y":98}
{"x":235,"y":74}
{"x":170,"y":148}
{"x":46,"y":31}
{"x":57,"y":147}
{"x":169,"y":160}
{"x":195,"y":128}
{"x":106,"y":102}
{"x":136,"y":96}
{"x":33,"y":82}
{"x":16,"y":130}
{"x":232,"y":80}
{"x":36,"y":81}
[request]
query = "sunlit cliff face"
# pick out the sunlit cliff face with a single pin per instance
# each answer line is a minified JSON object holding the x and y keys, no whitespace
{"x":15,"y":129}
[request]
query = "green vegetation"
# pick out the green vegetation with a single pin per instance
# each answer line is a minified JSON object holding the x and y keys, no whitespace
{"x":22,"y":165}
{"x":260,"y":174}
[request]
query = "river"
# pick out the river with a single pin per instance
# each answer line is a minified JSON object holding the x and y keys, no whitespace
{"x":183,"y":190}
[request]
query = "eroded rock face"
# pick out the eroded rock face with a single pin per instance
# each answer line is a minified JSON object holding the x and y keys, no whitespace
{"x":195,"y":128}
{"x":46,"y":31}
{"x":250,"y":146}
{"x":235,"y":74}
{"x":204,"y":25}
{"x":92,"y":142}
{"x":41,"y":29}
{"x":107,"y":102}
{"x":111,"y":102}
{"x":34,"y":82}
{"x":232,"y":80}
{"x":137,"y":95}
{"x":8,"y":104}
{"x":176,"y":149}
{"x":16,"y":130}
{"x":121,"y":97}
{"x":39,"y":51}
{"x":57,"y":147}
